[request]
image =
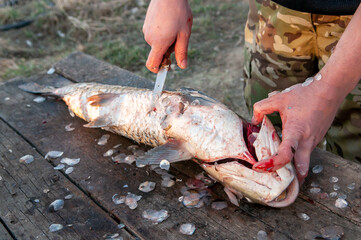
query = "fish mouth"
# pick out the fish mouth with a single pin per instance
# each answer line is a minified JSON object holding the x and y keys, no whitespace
{"x":287,"y":197}
{"x":243,"y":162}
{"x":248,"y":135}
{"x":276,"y":189}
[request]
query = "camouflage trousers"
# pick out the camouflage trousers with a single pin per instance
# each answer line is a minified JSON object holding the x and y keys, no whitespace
{"x":282,"y":48}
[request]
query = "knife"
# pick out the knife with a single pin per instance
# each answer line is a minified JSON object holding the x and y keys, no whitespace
{"x":161,"y":76}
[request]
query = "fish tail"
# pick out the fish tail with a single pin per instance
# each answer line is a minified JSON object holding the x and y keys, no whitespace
{"x":36,"y":88}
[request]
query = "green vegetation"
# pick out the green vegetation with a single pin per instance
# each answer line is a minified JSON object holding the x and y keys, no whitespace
{"x":110,"y":30}
{"x":8,"y":15}
{"x":117,"y":53}
{"x":23,"y":70}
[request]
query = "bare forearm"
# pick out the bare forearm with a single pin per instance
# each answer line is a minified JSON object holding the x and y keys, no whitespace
{"x":343,"y":70}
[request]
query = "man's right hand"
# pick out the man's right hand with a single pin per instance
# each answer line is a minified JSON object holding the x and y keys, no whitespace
{"x":167,"y":22}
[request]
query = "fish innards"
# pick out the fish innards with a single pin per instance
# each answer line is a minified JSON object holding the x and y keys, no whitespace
{"x":185,"y":125}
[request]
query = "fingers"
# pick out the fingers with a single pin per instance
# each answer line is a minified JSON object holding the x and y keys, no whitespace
{"x":181,"y":49}
{"x":158,"y":50}
{"x":155,"y":57}
{"x":284,"y":155}
{"x":264,"y":107}
{"x":302,"y":162}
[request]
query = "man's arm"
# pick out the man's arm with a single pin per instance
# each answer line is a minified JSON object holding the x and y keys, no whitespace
{"x":308,"y":110}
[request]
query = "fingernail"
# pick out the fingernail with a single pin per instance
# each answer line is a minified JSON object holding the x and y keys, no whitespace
{"x":302,"y":173}
{"x":154,"y":69}
{"x":266,"y":166}
{"x":183,"y":64}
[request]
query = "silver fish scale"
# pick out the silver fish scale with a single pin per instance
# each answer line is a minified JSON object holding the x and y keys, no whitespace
{"x":132,"y":108}
{"x":142,"y":125}
{"x":219,"y":135}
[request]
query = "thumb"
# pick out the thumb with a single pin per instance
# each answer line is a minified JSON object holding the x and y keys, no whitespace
{"x":264,"y":107}
{"x":181,"y":49}
{"x":283,"y":156}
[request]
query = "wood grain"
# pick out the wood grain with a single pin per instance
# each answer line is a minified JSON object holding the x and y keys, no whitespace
{"x":23,"y":185}
{"x":4,"y":234}
{"x":80,"y":67}
{"x":42,"y":125}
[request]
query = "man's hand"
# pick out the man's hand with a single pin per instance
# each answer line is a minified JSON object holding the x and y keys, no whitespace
{"x":166,"y":22}
{"x":307,"y":111}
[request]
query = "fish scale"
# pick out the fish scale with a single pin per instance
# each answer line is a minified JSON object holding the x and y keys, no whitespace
{"x":134,"y":117}
{"x":139,"y":125}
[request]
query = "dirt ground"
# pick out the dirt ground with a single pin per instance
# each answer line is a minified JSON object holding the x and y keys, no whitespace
{"x":112,"y":30}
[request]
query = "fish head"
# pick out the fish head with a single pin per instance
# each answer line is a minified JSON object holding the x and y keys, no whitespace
{"x":275,"y":189}
{"x":227,"y":147}
{"x":208,"y":129}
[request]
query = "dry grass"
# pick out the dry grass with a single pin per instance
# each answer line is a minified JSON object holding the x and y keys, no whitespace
{"x":112,"y":30}
{"x":63,"y":27}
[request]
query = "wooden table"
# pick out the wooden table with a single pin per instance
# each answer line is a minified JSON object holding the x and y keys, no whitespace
{"x":26,"y":190}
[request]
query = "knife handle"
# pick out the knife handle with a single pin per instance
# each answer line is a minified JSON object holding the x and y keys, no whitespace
{"x":166,"y":58}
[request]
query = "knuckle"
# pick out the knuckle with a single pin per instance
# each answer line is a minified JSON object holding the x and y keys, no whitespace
{"x":147,"y":38}
{"x":144,"y":29}
{"x":182,"y":52}
{"x":256,"y":107}
{"x":184,"y":33}
{"x":308,"y":133}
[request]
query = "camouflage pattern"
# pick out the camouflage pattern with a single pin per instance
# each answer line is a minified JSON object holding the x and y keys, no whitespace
{"x":284,"y":47}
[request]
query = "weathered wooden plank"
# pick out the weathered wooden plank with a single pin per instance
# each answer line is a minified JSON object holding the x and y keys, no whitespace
{"x":120,"y":178}
{"x":287,"y":220}
{"x":348,"y":170}
{"x":26,"y":191}
{"x":43,"y":125}
{"x":4,"y":234}
{"x":275,"y":219}
{"x":89,"y":69}
{"x":348,"y":181}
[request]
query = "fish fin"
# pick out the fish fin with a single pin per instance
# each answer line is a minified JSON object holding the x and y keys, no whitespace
{"x":172,"y":151}
{"x":267,"y":141}
{"x":232,"y":196}
{"x":102,"y":121}
{"x":101,"y":99}
{"x":72,"y":114}
{"x":33,"y":87}
{"x":190,"y":95}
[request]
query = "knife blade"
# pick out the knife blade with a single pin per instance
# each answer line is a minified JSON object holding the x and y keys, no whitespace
{"x":161,"y":76}
{"x":159,"y":83}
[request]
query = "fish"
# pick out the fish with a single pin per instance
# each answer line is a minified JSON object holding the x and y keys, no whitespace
{"x":186,"y":124}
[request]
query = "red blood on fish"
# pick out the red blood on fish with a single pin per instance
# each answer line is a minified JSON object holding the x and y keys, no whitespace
{"x":274,"y":136}
{"x":248,"y":129}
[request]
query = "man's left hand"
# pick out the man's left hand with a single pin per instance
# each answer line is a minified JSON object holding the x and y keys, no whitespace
{"x":306,"y":113}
